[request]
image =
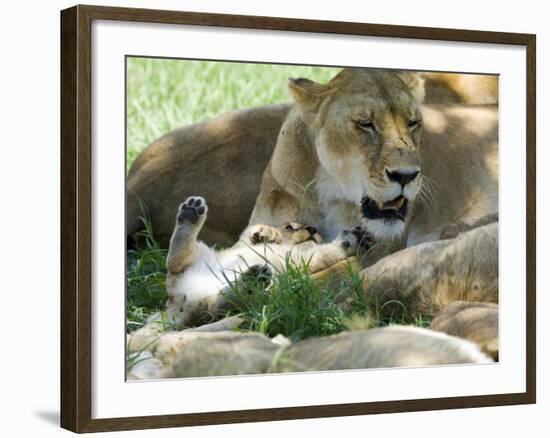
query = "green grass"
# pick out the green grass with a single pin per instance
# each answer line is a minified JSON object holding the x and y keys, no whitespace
{"x":163,"y":94}
{"x":293,"y":305}
{"x":145,"y":278}
{"x":298,"y":307}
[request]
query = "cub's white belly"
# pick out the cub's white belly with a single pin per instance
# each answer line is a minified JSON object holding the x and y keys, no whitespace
{"x":213,"y":271}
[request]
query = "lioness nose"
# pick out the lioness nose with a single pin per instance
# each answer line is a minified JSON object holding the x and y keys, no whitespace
{"x":402,"y":177}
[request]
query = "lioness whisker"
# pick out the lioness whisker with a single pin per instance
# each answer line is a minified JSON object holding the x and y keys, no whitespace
{"x":427,"y":194}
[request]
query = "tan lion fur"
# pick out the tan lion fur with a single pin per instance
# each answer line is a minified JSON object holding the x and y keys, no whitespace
{"x":425,"y":278}
{"x":474,"y":321}
{"x":461,"y":88}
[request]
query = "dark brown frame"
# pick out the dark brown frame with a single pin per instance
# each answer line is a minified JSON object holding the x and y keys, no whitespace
{"x":76,"y":174}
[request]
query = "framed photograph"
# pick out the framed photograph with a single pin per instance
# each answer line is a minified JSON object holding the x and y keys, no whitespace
{"x":269,"y":218}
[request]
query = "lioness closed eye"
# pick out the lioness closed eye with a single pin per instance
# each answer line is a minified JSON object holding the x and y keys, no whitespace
{"x":199,"y":276}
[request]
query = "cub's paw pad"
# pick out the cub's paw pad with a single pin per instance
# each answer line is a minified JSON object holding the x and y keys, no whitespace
{"x":192,"y":210}
{"x":265,"y":234}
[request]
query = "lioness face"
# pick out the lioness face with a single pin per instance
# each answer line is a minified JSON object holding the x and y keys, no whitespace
{"x":367,"y":128}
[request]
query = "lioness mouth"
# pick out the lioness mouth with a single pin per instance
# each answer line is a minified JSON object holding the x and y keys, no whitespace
{"x":394,"y":209}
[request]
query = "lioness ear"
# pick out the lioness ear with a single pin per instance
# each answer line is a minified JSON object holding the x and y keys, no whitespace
{"x":305,"y":92}
{"x":415,"y":83}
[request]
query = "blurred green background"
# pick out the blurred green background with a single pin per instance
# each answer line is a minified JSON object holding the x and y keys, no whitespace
{"x":163,"y":94}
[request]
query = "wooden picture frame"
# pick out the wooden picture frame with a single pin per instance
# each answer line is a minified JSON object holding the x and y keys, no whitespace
{"x":76,"y":218}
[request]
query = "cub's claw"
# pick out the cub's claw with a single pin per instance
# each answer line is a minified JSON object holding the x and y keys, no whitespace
{"x":364,"y":239}
{"x":265,"y":234}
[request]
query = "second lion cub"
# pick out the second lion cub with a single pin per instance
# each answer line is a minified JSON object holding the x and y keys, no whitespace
{"x":199,"y":276}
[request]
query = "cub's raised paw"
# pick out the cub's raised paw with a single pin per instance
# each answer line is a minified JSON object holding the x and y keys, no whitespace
{"x":265,"y":234}
{"x":192,"y":210}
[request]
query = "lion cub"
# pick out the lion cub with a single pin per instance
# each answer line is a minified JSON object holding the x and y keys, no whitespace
{"x":199,"y":276}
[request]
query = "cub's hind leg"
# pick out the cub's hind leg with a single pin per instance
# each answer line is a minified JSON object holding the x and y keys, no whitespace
{"x":183,"y":243}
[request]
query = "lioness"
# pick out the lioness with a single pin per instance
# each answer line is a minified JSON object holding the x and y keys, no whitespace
{"x":223,"y":159}
{"x":360,"y":150}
